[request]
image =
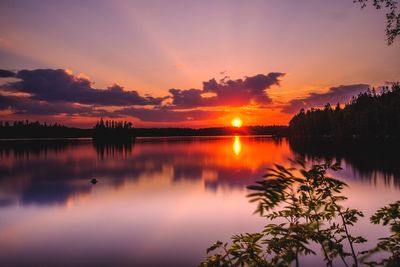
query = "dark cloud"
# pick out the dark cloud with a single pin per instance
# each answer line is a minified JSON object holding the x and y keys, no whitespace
{"x":167,"y":115}
{"x":341,"y":94}
{"x":6,"y":102}
{"x":6,"y":74}
{"x":27,"y":106}
{"x":22,"y":105}
{"x":56,"y":91}
{"x":59,"y":85}
{"x":228,"y":92}
{"x":188,"y":98}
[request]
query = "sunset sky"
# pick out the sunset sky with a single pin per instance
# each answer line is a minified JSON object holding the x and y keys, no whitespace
{"x":187,"y":63}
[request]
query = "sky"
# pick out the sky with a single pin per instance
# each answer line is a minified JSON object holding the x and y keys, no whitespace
{"x":187,"y":63}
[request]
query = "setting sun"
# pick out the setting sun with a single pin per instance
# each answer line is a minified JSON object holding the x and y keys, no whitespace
{"x":236,"y":122}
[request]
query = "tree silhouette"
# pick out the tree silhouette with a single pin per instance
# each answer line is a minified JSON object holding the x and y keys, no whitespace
{"x":368,"y":115}
{"x":392,"y":16}
{"x":114,"y":131}
{"x":28,"y":129}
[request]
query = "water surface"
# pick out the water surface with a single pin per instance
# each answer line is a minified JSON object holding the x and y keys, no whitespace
{"x":158,"y":202}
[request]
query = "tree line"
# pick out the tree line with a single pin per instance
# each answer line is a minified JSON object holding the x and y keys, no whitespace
{"x":35,"y":129}
{"x":371,"y":114}
{"x":112,"y":125}
{"x":108,"y":129}
{"x":113,"y":131}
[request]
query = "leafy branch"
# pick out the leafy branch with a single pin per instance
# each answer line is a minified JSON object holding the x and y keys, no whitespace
{"x":303,"y":207}
{"x":392,"y":16}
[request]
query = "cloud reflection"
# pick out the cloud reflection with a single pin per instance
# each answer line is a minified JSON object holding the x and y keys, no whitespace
{"x":53,"y":172}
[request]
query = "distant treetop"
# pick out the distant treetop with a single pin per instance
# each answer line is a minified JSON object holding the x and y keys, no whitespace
{"x":112,"y":124}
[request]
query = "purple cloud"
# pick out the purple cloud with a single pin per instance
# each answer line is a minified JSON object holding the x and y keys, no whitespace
{"x":27,"y":106}
{"x":56,"y":91}
{"x":59,"y":85}
{"x":228,"y":92}
{"x":341,"y":94}
{"x":6,"y":74}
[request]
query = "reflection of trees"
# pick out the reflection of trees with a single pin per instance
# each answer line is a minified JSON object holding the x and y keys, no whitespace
{"x":27,"y":148}
{"x":66,"y":169}
{"x":53,"y":177}
{"x":365,"y":158}
{"x":113,"y":149}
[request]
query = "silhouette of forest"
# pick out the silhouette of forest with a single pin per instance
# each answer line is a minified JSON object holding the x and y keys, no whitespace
{"x":122,"y":131}
{"x":115,"y":131}
{"x":369,"y":115}
{"x":27,"y":129}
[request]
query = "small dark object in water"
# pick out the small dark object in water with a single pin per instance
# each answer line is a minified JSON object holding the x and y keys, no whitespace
{"x":93,"y":181}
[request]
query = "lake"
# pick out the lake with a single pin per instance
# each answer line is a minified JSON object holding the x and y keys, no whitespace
{"x":160,"y":201}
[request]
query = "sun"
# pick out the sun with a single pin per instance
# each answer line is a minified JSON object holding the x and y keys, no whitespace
{"x":237,"y":122}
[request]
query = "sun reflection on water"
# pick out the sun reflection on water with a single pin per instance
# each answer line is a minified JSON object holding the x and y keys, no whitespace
{"x":237,"y":146}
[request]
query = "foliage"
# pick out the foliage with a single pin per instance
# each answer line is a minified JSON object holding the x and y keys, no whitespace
{"x":302,"y":208}
{"x":112,"y":125}
{"x":370,"y":114}
{"x":392,"y":16}
{"x":113,"y":131}
{"x":388,"y":215}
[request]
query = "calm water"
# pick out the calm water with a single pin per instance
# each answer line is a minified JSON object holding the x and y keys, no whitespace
{"x":159,"y":202}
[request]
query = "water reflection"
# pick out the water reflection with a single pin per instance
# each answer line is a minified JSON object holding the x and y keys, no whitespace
{"x":370,"y":161}
{"x":27,"y":148}
{"x":237,"y":146}
{"x":151,"y":196}
{"x":113,"y":149}
{"x":50,"y":172}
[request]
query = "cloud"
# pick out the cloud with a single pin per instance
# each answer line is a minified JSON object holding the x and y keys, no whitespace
{"x":27,"y":106}
{"x":61,"y":85}
{"x":167,"y":115}
{"x":22,"y":105}
{"x":56,"y":91}
{"x":341,"y":94}
{"x":187,"y":98}
{"x":227,"y":92}
{"x":50,"y":92}
{"x":6,"y":74}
